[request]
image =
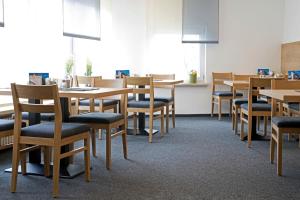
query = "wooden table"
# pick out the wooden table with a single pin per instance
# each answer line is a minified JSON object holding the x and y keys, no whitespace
{"x":141,"y":116}
{"x":282,"y":96}
{"x":237,"y":84}
{"x":67,"y":170}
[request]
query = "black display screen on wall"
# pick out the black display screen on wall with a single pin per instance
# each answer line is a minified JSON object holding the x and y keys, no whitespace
{"x":81,"y":19}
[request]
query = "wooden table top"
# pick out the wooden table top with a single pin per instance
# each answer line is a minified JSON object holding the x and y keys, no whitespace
{"x":282,"y":95}
{"x":237,"y":83}
{"x":166,"y":82}
{"x":97,"y":93}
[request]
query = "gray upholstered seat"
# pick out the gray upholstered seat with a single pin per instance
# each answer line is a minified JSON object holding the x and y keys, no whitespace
{"x":286,"y":122}
{"x":6,"y":125}
{"x":96,"y":117}
{"x":44,"y":116}
{"x":46,"y":130}
{"x":226,"y":94}
{"x":144,"y":104}
{"x":258,"y":107}
{"x":106,"y":102}
{"x":294,"y":106}
{"x":162,"y":99}
{"x":243,"y":101}
{"x":131,"y":97}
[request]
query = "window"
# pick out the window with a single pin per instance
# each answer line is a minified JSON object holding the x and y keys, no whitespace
{"x":1,"y":13}
{"x":81,"y":18}
{"x":200,"y":21}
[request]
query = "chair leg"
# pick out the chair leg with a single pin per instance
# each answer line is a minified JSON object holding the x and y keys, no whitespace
{"x":272,"y":146}
{"x":230,"y":106}
{"x":56,"y":167}
{"x":100,"y":134}
{"x":162,"y":121}
{"x":212,"y":107}
{"x":233,"y":119}
{"x":249,"y":131}
{"x":108,"y":148}
{"x":135,"y":123}
{"x":23,"y":161}
{"x":167,"y":117}
{"x":150,"y":126}
{"x":93,"y":137}
{"x":279,"y":153}
{"x":87,"y":159}
{"x":236,"y":128}
{"x":15,"y":166}
{"x":265,"y":125}
{"x":124,"y":141}
{"x":173,"y":114}
{"x":220,"y":108}
{"x":242,"y":127}
{"x":47,"y":157}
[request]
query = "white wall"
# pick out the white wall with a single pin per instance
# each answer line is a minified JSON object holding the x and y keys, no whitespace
{"x":250,"y":36}
{"x":145,"y":37}
{"x":291,"y":21}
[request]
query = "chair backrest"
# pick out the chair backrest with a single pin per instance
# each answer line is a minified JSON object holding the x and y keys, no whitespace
{"x":109,"y":83}
{"x":285,"y":84}
{"x":242,"y":77}
{"x":85,"y":80}
{"x":45,"y":92}
{"x":162,"y":76}
{"x":141,"y":85}
{"x":254,"y":86}
{"x":219,"y":78}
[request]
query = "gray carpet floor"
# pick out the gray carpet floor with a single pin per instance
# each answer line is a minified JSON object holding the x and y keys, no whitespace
{"x":200,"y":159}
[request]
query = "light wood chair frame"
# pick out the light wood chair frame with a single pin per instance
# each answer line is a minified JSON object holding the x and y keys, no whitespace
{"x":236,"y":108}
{"x":218,"y":80}
{"x":49,"y":93}
{"x":277,"y":133}
{"x":254,"y":85}
{"x":111,"y":83}
{"x":171,"y":103}
{"x":149,"y":89}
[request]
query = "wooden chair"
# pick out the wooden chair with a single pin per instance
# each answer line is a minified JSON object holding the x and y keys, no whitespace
{"x":48,"y":135}
{"x":254,"y":108}
{"x":85,"y":104}
{"x":145,"y":86}
{"x":282,"y":124}
{"x":218,"y":96}
{"x":238,"y":100}
{"x":107,"y":121}
{"x":169,"y":101}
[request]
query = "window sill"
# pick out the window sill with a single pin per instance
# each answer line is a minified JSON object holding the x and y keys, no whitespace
{"x":198,"y":84}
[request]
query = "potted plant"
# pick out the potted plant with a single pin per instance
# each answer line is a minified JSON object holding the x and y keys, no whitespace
{"x":69,"y":70}
{"x":193,"y":76}
{"x":88,"y":68}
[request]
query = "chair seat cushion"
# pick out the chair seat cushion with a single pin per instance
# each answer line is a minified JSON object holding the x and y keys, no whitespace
{"x":243,"y":101}
{"x":44,"y":116}
{"x":46,"y":130}
{"x":144,"y":104}
{"x":131,"y":97}
{"x":294,"y":106}
{"x":163,"y":99}
{"x":96,"y":117}
{"x":6,"y":125}
{"x":258,"y":107}
{"x":286,"y":122}
{"x":226,"y":94}
{"x":106,"y":102}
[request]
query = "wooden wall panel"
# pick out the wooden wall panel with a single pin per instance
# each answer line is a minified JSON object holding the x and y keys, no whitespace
{"x":290,"y":56}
